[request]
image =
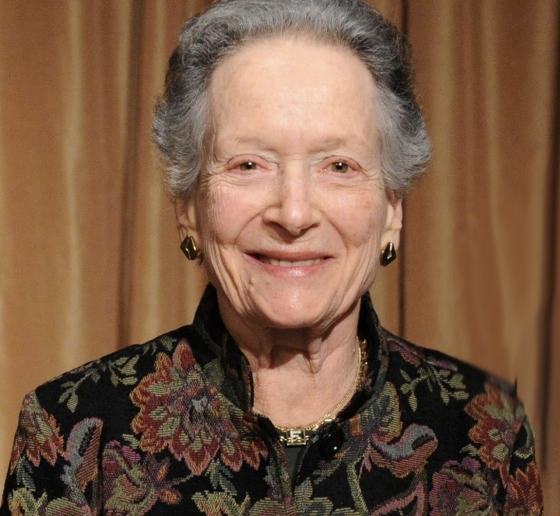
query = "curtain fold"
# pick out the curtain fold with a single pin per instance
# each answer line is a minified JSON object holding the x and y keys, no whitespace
{"x":477,"y":280}
{"x":164,"y":287}
{"x":64,"y":70}
{"x":551,"y":361}
{"x":387,"y":289}
{"x":90,"y":259}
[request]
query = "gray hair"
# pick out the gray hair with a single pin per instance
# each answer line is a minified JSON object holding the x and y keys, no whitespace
{"x":181,"y":123}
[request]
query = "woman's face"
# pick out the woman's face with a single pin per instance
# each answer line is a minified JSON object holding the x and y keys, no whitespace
{"x":291,"y":212}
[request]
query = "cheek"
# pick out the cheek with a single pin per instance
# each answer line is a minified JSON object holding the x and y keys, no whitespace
{"x":227,"y":212}
{"x":362,"y":217}
{"x":216,"y":230}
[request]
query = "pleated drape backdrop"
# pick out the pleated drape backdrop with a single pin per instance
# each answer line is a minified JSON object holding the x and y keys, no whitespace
{"x":89,"y":257}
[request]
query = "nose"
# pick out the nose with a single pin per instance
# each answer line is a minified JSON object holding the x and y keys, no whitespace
{"x":294,"y":207}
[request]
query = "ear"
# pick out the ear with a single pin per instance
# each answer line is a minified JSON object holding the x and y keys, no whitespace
{"x":185,"y":214}
{"x":393,"y":221}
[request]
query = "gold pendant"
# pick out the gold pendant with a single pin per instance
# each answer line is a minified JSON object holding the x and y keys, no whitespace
{"x":294,"y":437}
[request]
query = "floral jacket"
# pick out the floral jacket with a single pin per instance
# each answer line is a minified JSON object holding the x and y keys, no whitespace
{"x":167,"y":428}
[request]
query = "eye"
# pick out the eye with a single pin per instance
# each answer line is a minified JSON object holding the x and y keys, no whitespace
{"x":339,"y":166}
{"x":248,"y":165}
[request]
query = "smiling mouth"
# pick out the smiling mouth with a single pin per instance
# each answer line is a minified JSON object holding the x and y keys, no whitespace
{"x":287,"y":263}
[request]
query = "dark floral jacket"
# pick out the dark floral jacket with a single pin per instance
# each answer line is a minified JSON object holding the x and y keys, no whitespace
{"x":167,"y":428}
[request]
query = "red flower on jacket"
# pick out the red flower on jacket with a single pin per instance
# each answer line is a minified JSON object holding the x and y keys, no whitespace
{"x":463,"y":488}
{"x":524,"y":493}
{"x":38,"y":434}
{"x":499,"y":418}
{"x":180,"y":411}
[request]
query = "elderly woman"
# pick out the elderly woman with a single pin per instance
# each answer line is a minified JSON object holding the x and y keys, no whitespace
{"x":290,"y":134}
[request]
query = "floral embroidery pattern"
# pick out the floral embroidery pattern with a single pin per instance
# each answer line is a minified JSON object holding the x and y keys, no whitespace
{"x":121,"y":371}
{"x":499,"y":419}
{"x":179,"y":411}
{"x":412,"y":502}
{"x":435,"y":373}
{"x":463,"y":488}
{"x":401,"y":454}
{"x":38,"y":435}
{"x":135,"y":484}
{"x":524,"y":498}
{"x":82,"y":451}
{"x":223,"y":504}
{"x":168,"y":428}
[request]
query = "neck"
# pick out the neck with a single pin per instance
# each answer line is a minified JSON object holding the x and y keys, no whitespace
{"x":299,"y":375}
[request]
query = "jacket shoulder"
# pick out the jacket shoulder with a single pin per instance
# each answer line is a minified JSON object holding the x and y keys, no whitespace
{"x":411,"y":356}
{"x":101,"y":388}
{"x":482,"y":434}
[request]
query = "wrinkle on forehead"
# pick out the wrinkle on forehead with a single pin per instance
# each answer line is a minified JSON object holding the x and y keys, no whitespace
{"x":291,"y":89}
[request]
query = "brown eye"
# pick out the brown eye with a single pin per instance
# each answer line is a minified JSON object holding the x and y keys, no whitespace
{"x":339,"y":166}
{"x":248,"y":165}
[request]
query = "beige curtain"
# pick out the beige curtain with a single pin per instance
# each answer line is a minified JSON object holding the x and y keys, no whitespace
{"x":89,"y":258}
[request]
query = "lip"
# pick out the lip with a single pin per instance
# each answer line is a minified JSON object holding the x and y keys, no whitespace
{"x":287,"y":261}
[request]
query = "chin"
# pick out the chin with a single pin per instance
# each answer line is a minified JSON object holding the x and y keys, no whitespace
{"x":297,"y":316}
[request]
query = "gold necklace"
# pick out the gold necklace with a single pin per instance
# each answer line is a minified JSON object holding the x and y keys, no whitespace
{"x":299,"y":436}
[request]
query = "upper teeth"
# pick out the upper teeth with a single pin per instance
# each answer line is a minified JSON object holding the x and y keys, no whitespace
{"x":286,"y":263}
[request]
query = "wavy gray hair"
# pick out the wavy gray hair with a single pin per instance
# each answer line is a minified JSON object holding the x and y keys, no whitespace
{"x":182,"y":127}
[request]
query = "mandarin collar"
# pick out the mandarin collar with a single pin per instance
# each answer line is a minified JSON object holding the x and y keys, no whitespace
{"x":233,"y":378}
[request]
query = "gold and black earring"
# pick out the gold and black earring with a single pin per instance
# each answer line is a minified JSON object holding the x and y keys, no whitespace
{"x":188,"y":246}
{"x":388,"y":254}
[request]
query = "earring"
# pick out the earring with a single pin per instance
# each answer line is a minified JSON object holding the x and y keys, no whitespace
{"x":388,"y":254}
{"x":189,"y":248}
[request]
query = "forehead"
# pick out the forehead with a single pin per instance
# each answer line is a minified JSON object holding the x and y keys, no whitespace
{"x":289,"y":55}
{"x":293,"y":80}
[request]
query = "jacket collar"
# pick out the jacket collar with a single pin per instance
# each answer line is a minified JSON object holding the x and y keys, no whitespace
{"x":233,"y":378}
